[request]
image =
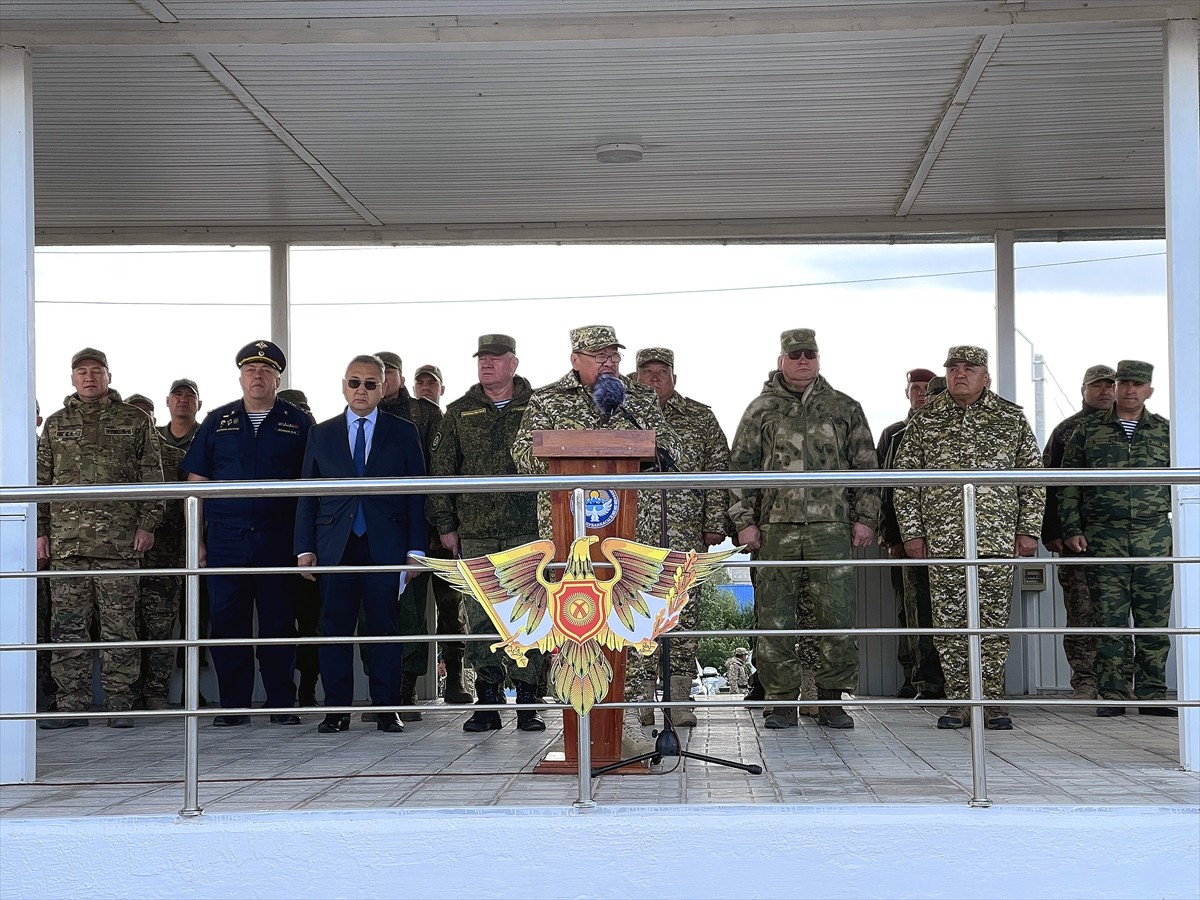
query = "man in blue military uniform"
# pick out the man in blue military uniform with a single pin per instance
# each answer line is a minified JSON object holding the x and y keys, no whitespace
{"x":256,"y":437}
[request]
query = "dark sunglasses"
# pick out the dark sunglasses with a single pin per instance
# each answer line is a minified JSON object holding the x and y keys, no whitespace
{"x":355,"y":383}
{"x":802,"y":354}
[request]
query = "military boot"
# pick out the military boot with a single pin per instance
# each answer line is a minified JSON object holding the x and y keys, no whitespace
{"x":833,"y":716}
{"x":781,"y":717}
{"x":634,"y":741}
{"x":454,"y":691}
{"x":808,"y":691}
{"x":645,"y":716}
{"x":529,"y":719}
{"x":485,"y":719}
{"x":408,"y":697}
{"x":681,"y":689}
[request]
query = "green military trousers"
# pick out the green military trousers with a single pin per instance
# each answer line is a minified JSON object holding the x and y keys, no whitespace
{"x":493,"y":666}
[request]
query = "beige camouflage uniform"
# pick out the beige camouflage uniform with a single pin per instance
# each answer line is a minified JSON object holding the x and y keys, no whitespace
{"x":992,"y":433}
{"x":100,"y":442}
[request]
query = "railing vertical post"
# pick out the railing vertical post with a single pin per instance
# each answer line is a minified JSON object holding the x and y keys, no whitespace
{"x":191,"y":665}
{"x":583,"y":733}
{"x":979,"y":796}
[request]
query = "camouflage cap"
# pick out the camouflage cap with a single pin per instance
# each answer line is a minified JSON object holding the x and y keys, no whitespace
{"x":293,"y":395}
{"x":798,"y":339}
{"x":89,"y":353}
{"x":495,"y":345}
{"x":262,"y":352}
{"x":919,"y":375}
{"x":184,"y":383}
{"x":428,"y":369}
{"x":1099,"y":373}
{"x":1135,"y":370}
{"x":966,"y":353}
{"x":656,"y":354}
{"x":135,"y":399}
{"x":741,"y":651}
{"x":591,"y":338}
{"x":390,"y":360}
{"x":937,"y":385}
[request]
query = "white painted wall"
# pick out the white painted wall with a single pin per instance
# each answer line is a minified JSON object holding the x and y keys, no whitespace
{"x":744,"y":852}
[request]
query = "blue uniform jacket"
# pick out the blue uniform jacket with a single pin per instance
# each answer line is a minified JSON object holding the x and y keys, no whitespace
{"x":395,"y":522}
{"x":227,"y":449}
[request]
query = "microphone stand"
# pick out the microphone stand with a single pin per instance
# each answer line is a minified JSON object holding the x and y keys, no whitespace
{"x":666,"y":742}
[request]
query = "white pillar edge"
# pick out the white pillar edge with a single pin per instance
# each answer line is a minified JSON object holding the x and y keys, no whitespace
{"x":1181,"y":144}
{"x":18,"y":521}
{"x":1005,"y":369}
{"x":281,"y":306}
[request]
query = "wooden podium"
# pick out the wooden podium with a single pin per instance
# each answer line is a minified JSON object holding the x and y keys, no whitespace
{"x":593,"y":452}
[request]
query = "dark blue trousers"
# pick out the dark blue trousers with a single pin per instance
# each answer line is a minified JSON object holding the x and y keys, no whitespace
{"x":235,"y":598}
{"x":342,"y":595}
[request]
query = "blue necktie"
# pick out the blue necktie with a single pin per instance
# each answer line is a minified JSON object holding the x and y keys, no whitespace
{"x":360,"y":469}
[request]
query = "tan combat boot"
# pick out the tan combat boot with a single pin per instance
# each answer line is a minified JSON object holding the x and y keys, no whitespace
{"x":681,"y":689}
{"x":634,"y":741}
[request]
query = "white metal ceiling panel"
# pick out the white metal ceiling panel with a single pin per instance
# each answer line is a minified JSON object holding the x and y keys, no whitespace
{"x":1069,"y":121}
{"x":730,"y":129}
{"x":76,"y":10}
{"x":151,"y":141}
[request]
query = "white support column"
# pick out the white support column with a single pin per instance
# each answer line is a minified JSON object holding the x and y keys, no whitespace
{"x":18,"y":521}
{"x":1181,"y":139}
{"x":1004,"y":370}
{"x":281,"y":306}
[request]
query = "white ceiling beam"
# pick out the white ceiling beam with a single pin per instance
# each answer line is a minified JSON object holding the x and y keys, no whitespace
{"x":382,"y":33}
{"x":260,"y":112}
{"x":158,"y":10}
{"x":1141,"y":223}
{"x":958,"y":103}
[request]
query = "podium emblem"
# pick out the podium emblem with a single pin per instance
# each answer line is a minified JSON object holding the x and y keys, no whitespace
{"x":580,"y":615}
{"x":600,"y":508}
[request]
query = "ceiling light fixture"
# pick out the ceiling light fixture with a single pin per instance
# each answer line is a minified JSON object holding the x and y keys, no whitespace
{"x":619,"y":153}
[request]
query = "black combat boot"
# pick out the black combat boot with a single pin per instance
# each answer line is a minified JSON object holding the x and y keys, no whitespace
{"x":408,"y":697}
{"x":454,"y":692}
{"x":529,"y":719}
{"x":832,"y":716}
{"x":485,"y":719}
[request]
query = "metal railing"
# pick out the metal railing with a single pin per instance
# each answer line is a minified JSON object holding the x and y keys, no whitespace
{"x":193,"y":492}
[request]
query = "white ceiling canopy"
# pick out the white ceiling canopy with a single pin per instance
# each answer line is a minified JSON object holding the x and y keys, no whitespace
{"x":190,"y":120}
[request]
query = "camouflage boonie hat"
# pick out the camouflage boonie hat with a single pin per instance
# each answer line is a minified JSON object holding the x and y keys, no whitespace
{"x":389,"y":359}
{"x":966,"y":353}
{"x":89,"y":353}
{"x":656,"y":354}
{"x":429,"y":370}
{"x":262,"y":352}
{"x":1135,"y":370}
{"x":184,"y":383}
{"x":741,"y":651}
{"x":135,"y":399}
{"x":937,"y":385}
{"x":591,"y":338}
{"x":1099,"y":373}
{"x":918,"y":375}
{"x":495,"y":345}
{"x":798,"y":339}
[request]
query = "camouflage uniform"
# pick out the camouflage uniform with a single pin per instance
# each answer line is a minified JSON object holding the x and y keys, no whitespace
{"x":991,"y":433}
{"x":162,"y":594}
{"x":690,"y":514}
{"x":736,"y":674}
{"x":918,"y":656}
{"x":820,"y":429}
{"x":451,"y":616}
{"x":1124,"y":520}
{"x":475,"y":438}
{"x":98,"y":442}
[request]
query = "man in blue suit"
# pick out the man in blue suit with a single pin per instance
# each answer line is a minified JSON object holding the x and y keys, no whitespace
{"x":367,"y":530}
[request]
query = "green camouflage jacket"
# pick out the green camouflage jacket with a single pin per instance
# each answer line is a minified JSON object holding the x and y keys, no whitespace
{"x":1052,"y":458}
{"x":168,"y":546}
{"x":100,"y":442}
{"x":1100,"y":443}
{"x":476,"y":438}
{"x":705,"y":449}
{"x":783,"y":431}
{"x":567,"y":404}
{"x":427,"y":417}
{"x":991,"y":433}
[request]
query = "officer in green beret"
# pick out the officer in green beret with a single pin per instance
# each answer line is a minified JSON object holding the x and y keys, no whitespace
{"x":1124,"y":520}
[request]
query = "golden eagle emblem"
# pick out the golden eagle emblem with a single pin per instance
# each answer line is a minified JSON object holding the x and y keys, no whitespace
{"x":581,"y":614}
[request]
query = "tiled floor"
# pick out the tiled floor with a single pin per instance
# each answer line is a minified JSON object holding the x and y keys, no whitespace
{"x":894,"y":755}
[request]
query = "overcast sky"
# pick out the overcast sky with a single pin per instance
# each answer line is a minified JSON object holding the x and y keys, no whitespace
{"x":166,"y":313}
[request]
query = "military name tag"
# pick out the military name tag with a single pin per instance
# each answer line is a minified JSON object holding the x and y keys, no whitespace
{"x":119,"y":432}
{"x":68,"y":432}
